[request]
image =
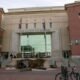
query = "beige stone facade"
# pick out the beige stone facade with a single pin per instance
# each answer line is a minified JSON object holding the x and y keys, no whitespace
{"x":59,"y":31}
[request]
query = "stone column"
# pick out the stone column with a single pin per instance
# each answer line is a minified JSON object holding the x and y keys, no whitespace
{"x":15,"y":43}
{"x":56,"y":46}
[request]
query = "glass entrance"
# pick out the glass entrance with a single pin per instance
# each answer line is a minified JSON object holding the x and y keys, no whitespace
{"x":34,"y":45}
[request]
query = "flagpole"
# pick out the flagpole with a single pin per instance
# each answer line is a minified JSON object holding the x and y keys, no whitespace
{"x":45,"y":44}
{"x":20,"y":26}
{"x":27,"y":42}
{"x":27,"y":39}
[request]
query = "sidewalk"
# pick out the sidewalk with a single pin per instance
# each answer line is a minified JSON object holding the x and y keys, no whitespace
{"x":29,"y":75}
{"x":26,"y":75}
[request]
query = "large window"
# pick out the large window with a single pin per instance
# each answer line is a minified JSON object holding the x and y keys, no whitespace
{"x":36,"y":43}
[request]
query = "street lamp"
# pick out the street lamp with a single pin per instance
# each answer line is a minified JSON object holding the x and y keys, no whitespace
{"x":45,"y":37}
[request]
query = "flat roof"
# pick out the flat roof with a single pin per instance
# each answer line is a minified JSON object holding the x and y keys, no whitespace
{"x":35,"y":9}
{"x":76,"y":3}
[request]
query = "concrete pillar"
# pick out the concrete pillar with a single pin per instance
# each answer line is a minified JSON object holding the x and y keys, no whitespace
{"x":56,"y":46}
{"x":15,"y":45}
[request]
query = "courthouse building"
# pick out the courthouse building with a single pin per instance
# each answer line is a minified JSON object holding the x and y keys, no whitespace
{"x":44,"y":29}
{"x":42,"y":32}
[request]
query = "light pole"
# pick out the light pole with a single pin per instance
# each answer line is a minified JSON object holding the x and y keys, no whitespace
{"x":20,"y":26}
{"x":27,"y":44}
{"x":45,"y":37}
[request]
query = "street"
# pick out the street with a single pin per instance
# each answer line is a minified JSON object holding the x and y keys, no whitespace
{"x":27,"y":75}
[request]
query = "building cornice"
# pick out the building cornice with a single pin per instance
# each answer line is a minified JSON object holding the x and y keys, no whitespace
{"x":35,"y":10}
{"x":72,"y":4}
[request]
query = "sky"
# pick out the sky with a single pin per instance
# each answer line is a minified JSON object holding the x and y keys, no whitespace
{"x":7,"y":4}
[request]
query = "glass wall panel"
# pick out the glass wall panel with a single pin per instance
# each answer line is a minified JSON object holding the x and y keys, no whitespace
{"x":35,"y":43}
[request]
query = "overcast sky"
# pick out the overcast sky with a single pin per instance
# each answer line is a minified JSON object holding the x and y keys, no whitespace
{"x":7,"y":4}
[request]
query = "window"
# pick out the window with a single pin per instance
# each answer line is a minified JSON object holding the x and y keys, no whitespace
{"x":75,"y":42}
{"x":79,"y":14}
{"x":34,"y":25}
{"x":50,"y":24}
{"x":43,"y":24}
{"x":26,"y":26}
{"x":66,"y":54}
{"x":20,"y":26}
{"x":20,"y":23}
{"x":0,"y":40}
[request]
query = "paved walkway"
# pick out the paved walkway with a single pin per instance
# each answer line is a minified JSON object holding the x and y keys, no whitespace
{"x":28,"y":75}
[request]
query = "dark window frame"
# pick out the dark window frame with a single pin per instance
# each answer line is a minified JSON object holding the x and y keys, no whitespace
{"x":26,"y":25}
{"x":50,"y":23}
{"x":34,"y":25}
{"x":44,"y":25}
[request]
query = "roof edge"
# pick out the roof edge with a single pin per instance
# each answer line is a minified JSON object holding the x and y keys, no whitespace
{"x":36,"y":9}
{"x":72,"y":4}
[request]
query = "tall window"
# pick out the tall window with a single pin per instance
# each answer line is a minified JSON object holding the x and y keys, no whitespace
{"x":34,"y":25}
{"x":0,"y":40}
{"x":50,"y":24}
{"x":20,"y":23}
{"x":27,"y":26}
{"x":43,"y":24}
{"x":79,"y":14}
